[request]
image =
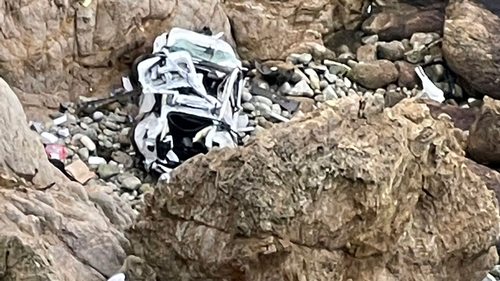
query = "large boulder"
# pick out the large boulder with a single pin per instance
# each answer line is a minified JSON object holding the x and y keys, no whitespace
{"x":374,"y":74}
{"x":271,"y":29}
{"x":58,"y":50}
{"x":399,"y":19}
{"x":482,"y":143}
{"x":470,"y":43}
{"x":50,"y":227}
{"x":334,"y":195}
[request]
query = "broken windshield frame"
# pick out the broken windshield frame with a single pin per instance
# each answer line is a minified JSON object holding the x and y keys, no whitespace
{"x":203,"y":53}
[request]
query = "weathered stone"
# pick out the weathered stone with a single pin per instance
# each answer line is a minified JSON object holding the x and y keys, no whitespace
{"x":407,"y":75}
{"x":392,"y":51}
{"x":280,"y":214}
{"x":129,"y":182}
{"x":367,"y":53}
{"x":107,"y":171}
{"x":306,"y":104}
{"x":393,"y":97}
{"x":123,"y":158}
{"x":373,"y":75}
{"x":51,"y":229}
{"x":396,"y":19}
{"x":484,"y":134}
{"x":470,"y":45}
{"x":302,"y":89}
{"x":257,"y":24}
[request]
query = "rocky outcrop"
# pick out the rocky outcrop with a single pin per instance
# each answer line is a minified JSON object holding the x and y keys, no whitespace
{"x":482,"y":144}
{"x":471,"y":44}
{"x":399,"y":19}
{"x":51,"y":228}
{"x":343,"y":193}
{"x":58,"y":50}
{"x":256,"y":24}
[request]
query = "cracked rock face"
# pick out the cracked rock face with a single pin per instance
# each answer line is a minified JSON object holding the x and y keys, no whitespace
{"x":56,"y":50}
{"x":470,"y":43}
{"x":50,"y":227}
{"x":336,"y":194}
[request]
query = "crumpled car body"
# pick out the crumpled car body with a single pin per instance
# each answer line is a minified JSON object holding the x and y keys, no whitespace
{"x":190,"y":101}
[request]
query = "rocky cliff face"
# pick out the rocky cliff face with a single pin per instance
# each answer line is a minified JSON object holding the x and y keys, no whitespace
{"x":52,"y":51}
{"x":51,"y":228}
{"x":343,"y":193}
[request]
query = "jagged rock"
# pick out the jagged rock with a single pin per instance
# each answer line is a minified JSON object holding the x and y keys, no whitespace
{"x":484,"y":134}
{"x":373,"y":75}
{"x":56,"y":50}
{"x":329,"y":188}
{"x":256,"y":24}
{"x":50,"y":228}
{"x":470,"y":44}
{"x":462,"y":118}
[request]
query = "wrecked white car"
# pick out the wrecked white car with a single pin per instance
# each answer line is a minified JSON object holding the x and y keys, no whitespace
{"x":191,"y":99}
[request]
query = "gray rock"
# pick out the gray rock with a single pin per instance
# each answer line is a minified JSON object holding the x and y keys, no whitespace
{"x":313,"y":77}
{"x":294,"y":58}
{"x":351,"y":92}
{"x":302,"y":89}
{"x":71,"y":119}
{"x":130,"y":183}
{"x":319,"y":68}
{"x":108,"y":132}
{"x":339,"y":83}
{"x":264,"y":109}
{"x":415,"y":56}
{"x":97,"y":116}
{"x":296,"y":77}
{"x":123,"y":158}
{"x":88,"y":143}
{"x":381,"y":91}
{"x":323,"y":84}
{"x":87,"y":120}
{"x":305,"y":58}
{"x":285,"y":88}
{"x":347,"y":56}
{"x":106,"y":171}
{"x":341,"y":93}
{"x":276,"y":108}
{"x":286,"y":114}
{"x":249,"y":107}
{"x":84,"y":153}
{"x":347,"y":82}
{"x":489,"y":277}
{"x":84,"y":126}
{"x":420,"y":39}
{"x":329,"y":93}
{"x":392,"y":51}
{"x":371,"y":39}
{"x":127,"y":197}
{"x":319,"y":98}
{"x":115,"y":118}
{"x":64,"y":132}
{"x":336,"y":67}
{"x":108,"y":144}
{"x":55,"y":115}
{"x":302,"y":76}
{"x":331,"y":78}
{"x":146,"y":188}
{"x":245,"y":95}
{"x":112,"y":126}
{"x":264,"y":100}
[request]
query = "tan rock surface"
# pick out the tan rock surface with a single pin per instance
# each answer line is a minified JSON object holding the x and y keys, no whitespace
{"x":267,"y":29}
{"x":482,"y":144}
{"x":50,"y":227}
{"x":329,"y":196}
{"x":56,"y":50}
{"x":471,"y":45}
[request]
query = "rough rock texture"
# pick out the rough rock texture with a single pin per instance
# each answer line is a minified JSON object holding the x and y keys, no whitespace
{"x":50,"y":227}
{"x":482,"y":144}
{"x":336,"y":195}
{"x":55,"y":50}
{"x":462,"y":118}
{"x":373,"y":75}
{"x":399,"y":19}
{"x":471,"y":45}
{"x":256,"y":23}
